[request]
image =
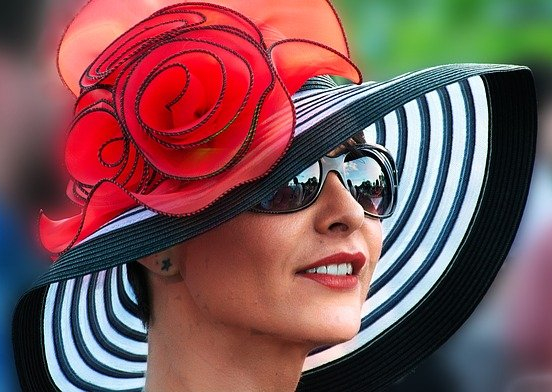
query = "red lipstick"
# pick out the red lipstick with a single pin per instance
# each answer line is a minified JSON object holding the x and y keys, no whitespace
{"x":332,"y":280}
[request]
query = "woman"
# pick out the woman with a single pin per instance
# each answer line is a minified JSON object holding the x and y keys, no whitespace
{"x":229,"y":306}
{"x":191,"y":123}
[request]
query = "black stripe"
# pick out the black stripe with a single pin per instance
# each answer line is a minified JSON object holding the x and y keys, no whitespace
{"x":317,"y":82}
{"x":412,"y":200}
{"x":438,"y":246}
{"x":127,"y":302}
{"x":400,"y":159}
{"x":117,"y":324}
{"x":28,"y":341}
{"x":402,"y":140}
{"x":380,"y":132}
{"x":62,"y":359}
{"x":81,"y":345}
{"x":100,"y":337}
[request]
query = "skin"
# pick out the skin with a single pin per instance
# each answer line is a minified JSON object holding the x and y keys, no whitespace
{"x":230,"y":311}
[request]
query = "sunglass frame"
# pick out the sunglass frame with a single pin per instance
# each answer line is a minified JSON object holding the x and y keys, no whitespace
{"x":328,"y":164}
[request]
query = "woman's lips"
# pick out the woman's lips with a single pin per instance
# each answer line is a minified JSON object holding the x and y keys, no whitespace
{"x":338,"y":271}
{"x":341,"y":282}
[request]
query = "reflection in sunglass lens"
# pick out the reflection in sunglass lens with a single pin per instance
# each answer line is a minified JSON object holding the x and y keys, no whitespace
{"x":363,"y":172}
{"x":299,"y":191}
{"x":368,"y":184}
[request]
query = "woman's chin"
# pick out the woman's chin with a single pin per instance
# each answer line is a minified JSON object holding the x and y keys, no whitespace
{"x":341,"y":335}
{"x":335,"y":332}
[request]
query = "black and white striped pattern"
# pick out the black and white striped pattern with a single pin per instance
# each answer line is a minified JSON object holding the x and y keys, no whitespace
{"x":460,"y":134}
{"x":92,"y":338}
{"x":436,"y":139}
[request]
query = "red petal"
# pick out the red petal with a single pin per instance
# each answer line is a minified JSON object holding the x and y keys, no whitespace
{"x":107,"y":202}
{"x":297,"y":61}
{"x":180,"y":133}
{"x":194,"y":105}
{"x":130,"y":44}
{"x":100,"y":98}
{"x":89,"y":134}
{"x":76,"y":193}
{"x":269,"y":144}
{"x":166,"y":23}
{"x":175,"y":197}
{"x":56,"y":236}
{"x":313,"y":20}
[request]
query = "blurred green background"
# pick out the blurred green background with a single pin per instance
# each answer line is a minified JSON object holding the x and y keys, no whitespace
{"x":391,"y":37}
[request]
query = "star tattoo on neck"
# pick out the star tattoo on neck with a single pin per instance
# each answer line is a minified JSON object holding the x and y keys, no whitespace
{"x":166,"y":265}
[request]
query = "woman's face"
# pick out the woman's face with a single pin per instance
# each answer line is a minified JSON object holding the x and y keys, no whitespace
{"x":249,"y":272}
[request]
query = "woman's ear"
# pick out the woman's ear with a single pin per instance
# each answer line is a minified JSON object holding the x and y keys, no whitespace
{"x":165,"y":263}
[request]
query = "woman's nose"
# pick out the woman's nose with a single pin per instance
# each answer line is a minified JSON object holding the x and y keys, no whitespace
{"x":337,"y":210}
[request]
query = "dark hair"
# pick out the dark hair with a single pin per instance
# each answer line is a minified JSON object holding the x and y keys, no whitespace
{"x":138,"y":278}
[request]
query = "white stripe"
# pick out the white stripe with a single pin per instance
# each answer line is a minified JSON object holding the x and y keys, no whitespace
{"x":412,"y":157}
{"x":419,"y":213}
{"x":303,"y":99}
{"x":392,"y":144}
{"x":125,"y":219}
{"x":119,"y":310}
{"x":392,"y":128}
{"x":332,"y":106}
{"x":111,"y":334}
{"x":52,"y":363}
{"x":95,"y":349}
{"x":370,"y":134}
{"x":128,"y":289}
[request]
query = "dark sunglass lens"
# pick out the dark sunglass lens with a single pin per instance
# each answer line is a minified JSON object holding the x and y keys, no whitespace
{"x":298,"y":192}
{"x":369,"y":184}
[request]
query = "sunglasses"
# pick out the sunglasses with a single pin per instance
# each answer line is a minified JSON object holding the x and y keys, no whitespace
{"x":367,"y":171}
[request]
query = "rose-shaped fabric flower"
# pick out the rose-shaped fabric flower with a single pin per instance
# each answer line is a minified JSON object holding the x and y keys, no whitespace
{"x":186,"y":104}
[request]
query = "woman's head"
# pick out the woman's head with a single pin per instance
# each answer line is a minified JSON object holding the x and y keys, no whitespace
{"x":257,"y":271}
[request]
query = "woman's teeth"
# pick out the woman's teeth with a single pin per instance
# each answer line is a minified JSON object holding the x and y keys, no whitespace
{"x":332,"y":269}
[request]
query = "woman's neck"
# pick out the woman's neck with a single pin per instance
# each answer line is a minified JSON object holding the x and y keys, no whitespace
{"x":193,"y":354}
{"x":199,"y":365}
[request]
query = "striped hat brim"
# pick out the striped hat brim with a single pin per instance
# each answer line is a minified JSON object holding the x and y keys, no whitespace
{"x":463,"y":137}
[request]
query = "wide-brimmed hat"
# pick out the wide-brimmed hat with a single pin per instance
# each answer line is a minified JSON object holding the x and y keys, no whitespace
{"x":463,"y":137}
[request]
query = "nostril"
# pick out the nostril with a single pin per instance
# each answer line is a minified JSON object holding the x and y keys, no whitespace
{"x":338,"y":226}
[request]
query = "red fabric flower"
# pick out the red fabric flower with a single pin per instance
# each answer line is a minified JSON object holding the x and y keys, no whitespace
{"x":185,"y":105}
